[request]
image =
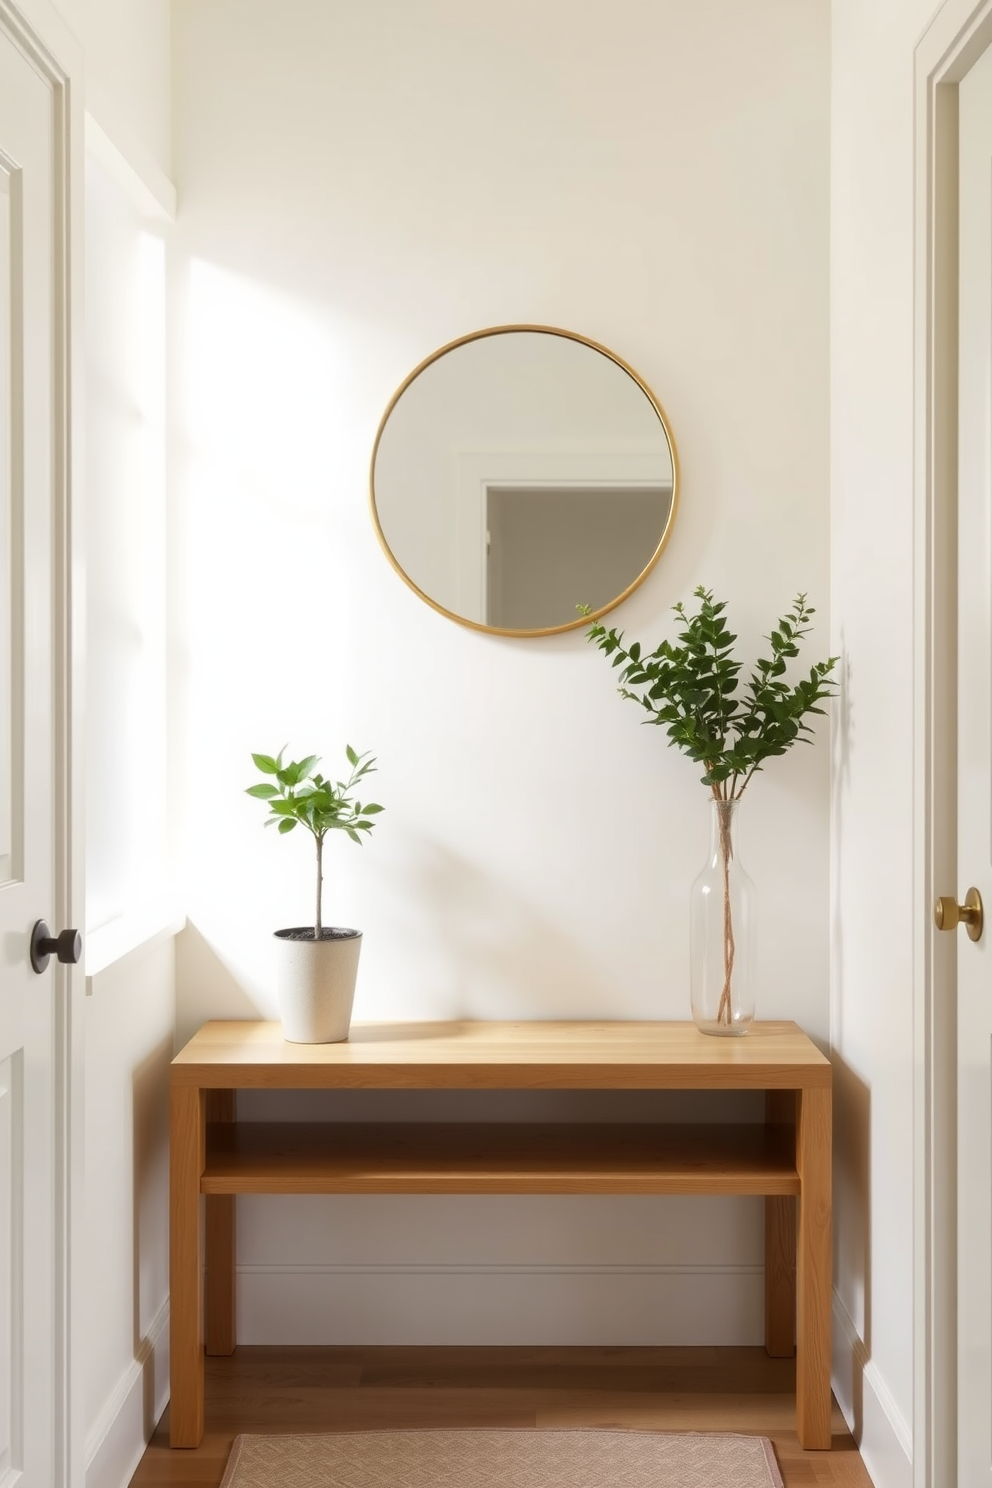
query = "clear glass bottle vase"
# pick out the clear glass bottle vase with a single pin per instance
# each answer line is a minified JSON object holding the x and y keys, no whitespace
{"x":721,"y":932}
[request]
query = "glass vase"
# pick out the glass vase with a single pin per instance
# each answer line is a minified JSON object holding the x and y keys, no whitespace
{"x":721,"y":932}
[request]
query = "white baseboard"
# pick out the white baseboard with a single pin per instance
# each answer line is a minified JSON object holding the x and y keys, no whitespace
{"x":123,"y":1429}
{"x":883,"y":1437}
{"x":501,"y":1304}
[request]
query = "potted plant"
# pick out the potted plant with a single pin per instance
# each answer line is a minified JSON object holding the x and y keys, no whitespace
{"x":318,"y":963}
{"x":690,"y":689}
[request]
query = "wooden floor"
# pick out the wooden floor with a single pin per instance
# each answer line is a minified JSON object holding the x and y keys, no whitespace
{"x":271,"y":1390}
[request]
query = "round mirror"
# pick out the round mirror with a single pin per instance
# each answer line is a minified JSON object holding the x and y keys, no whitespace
{"x":520,"y":472}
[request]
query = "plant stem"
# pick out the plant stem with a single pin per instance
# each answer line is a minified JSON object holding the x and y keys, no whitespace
{"x":317,"y":927}
{"x":726,"y":853}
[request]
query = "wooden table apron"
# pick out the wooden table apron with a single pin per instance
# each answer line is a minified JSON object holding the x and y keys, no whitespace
{"x":786,"y":1159}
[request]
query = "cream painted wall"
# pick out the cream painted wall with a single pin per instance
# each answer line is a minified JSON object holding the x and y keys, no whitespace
{"x":358,"y":185}
{"x":126,"y":48}
{"x":127,"y":857}
{"x":872,"y":901}
{"x":129,"y":1012}
{"x":129,"y":1043}
{"x":128,"y":1016}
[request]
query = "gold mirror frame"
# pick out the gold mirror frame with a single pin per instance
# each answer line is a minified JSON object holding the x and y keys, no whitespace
{"x":662,"y":419}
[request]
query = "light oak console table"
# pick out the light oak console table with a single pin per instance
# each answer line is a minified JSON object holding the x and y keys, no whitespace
{"x":786,"y":1158}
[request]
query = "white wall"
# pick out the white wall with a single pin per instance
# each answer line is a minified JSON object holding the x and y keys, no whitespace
{"x":129,"y":1043}
{"x":872,"y":900}
{"x":130,"y":1007}
{"x":127,"y":853}
{"x":126,"y":50}
{"x":359,"y":185}
{"x":128,"y":1016}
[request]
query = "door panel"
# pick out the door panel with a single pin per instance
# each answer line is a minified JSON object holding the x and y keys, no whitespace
{"x":11,"y":785}
{"x":28,"y":264}
{"x":11,"y":1259}
{"x":975,"y":777}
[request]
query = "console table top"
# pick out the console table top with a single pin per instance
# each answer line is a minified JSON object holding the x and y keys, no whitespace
{"x":471,"y":1054}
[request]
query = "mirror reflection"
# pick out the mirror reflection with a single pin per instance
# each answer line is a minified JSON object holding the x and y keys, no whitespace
{"x":520,"y":472}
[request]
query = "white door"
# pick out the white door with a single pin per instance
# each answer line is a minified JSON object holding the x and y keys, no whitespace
{"x":974,"y":1114}
{"x":28,"y":473}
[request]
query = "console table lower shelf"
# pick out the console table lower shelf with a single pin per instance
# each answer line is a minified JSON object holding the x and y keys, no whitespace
{"x":786,"y":1159}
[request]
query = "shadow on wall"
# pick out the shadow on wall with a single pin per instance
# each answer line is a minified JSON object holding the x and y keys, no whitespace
{"x":150,"y":1116}
{"x":206,"y":986}
{"x":445,"y":937}
{"x":841,"y":733}
{"x":488,"y":951}
{"x":852,"y":1222}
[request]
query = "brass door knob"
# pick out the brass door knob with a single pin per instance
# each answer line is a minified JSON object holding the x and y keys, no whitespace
{"x":948,"y":913}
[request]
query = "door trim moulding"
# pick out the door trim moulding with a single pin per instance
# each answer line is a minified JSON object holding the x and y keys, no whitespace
{"x":35,"y":28}
{"x":954,"y":39}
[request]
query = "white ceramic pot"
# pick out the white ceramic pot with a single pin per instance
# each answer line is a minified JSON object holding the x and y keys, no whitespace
{"x":316,"y":983}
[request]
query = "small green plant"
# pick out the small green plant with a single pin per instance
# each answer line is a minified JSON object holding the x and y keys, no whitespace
{"x":690,"y":690}
{"x":298,"y":795}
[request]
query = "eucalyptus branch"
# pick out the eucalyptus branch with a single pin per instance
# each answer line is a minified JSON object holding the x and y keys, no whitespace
{"x":690,"y":688}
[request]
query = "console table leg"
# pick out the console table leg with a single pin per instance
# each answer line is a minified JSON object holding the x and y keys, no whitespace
{"x":780,"y":1239}
{"x":780,"y":1276}
{"x":220,"y":1326}
{"x":187,"y":1155}
{"x":814,"y":1269}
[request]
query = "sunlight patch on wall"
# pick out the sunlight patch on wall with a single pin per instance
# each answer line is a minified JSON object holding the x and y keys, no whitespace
{"x":271,"y":502}
{"x":262,"y":385}
{"x":126,"y":554}
{"x":267,"y":454}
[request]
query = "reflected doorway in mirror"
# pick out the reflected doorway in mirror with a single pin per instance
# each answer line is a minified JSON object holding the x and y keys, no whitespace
{"x":550,"y":548}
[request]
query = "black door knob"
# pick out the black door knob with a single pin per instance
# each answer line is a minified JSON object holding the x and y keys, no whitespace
{"x":67,"y":947}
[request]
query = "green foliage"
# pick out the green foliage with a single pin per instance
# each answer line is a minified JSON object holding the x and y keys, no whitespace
{"x":691,"y":690}
{"x":301,"y":795}
{"x":297,"y":795}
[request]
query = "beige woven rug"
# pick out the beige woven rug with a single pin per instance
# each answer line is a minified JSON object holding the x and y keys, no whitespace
{"x":520,"y":1458}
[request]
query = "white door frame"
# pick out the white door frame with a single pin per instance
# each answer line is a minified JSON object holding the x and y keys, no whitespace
{"x":957,"y":35}
{"x":39,"y":32}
